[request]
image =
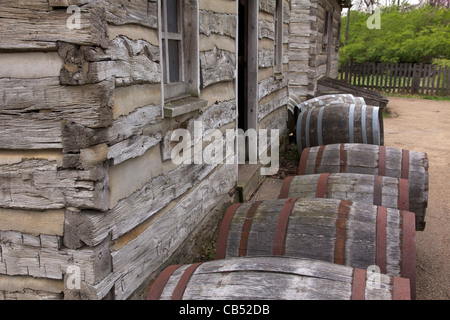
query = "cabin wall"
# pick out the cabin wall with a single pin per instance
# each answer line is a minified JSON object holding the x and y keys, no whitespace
{"x":92,"y":205}
{"x":272,"y":79}
{"x":89,"y":191}
{"x":308,"y":46}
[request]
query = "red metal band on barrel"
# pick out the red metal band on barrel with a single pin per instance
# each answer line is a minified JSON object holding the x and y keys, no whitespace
{"x":285,"y":188}
{"x":380,"y":258}
{"x":279,"y":241}
{"x":322,"y":185}
{"x":222,"y":237}
{"x":405,"y":164}
{"x":382,"y":161}
{"x":401,"y":289}
{"x":359,"y":284}
{"x":319,"y":159}
{"x":178,"y":292}
{"x":403,"y":195}
{"x":303,"y":161}
{"x":341,"y":232}
{"x":160,"y":283}
{"x":409,"y":250}
{"x":246,"y":228}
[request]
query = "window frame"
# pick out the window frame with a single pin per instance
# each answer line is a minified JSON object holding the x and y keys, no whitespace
{"x":173,"y":89}
{"x":188,"y":24}
{"x":278,"y":41}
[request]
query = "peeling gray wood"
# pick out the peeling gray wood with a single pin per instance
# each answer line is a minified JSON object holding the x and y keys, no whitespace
{"x":132,"y":148}
{"x":217,"y":23}
{"x":25,"y":28}
{"x":125,"y":60}
{"x":273,"y":278}
{"x":279,"y":100}
{"x":33,"y":131}
{"x":46,"y":99}
{"x":162,"y":238}
{"x":52,"y":263}
{"x":40,"y":185}
{"x":266,"y":58}
{"x":94,"y":227}
{"x":77,"y":137}
{"x":269,"y":85}
{"x":266,"y":30}
{"x":217,"y":66}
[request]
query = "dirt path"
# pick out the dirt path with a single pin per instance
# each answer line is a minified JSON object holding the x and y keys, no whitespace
{"x":424,"y":125}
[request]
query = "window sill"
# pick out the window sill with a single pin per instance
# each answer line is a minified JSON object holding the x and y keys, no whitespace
{"x":182,"y":106}
{"x":278,"y":75}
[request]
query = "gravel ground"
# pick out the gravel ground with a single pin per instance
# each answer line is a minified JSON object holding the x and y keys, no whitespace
{"x":424,"y":125}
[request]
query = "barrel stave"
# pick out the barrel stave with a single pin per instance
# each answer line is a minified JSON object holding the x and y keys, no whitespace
{"x":348,"y":186}
{"x":339,"y":123}
{"x":393,"y":249}
{"x":360,"y":251}
{"x":276,"y":278}
{"x":304,"y":221}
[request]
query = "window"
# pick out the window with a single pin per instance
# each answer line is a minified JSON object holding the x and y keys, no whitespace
{"x":278,"y":59}
{"x":172,"y":41}
{"x":179,"y":41}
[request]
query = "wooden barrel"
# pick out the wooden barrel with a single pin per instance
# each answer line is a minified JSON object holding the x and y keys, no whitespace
{"x":377,"y":190}
{"x":274,"y":278}
{"x":295,"y":108}
{"x":339,"y":123}
{"x":358,"y":235}
{"x":331,"y":99}
{"x":375,"y":160}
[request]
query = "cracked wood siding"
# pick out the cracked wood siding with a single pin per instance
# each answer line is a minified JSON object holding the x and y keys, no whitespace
{"x":37,"y":27}
{"x":100,"y":109}
{"x":40,"y":185}
{"x":272,"y":82}
{"x":307,"y":52}
{"x":63,"y":101}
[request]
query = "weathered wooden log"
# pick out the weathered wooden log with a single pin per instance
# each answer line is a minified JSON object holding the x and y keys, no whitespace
{"x":340,"y":123}
{"x":41,"y":185}
{"x":125,"y":60}
{"x":217,"y":65}
{"x":376,"y":160}
{"x":355,"y":234}
{"x":274,"y":278}
{"x":328,"y":99}
{"x":26,"y":98}
{"x":378,"y":190}
{"x":38,"y":28}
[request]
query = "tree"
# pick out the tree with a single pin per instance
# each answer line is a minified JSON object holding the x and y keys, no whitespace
{"x":407,"y":35}
{"x":437,"y":3}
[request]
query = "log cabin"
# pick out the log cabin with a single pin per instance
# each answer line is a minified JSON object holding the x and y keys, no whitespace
{"x":92,"y":91}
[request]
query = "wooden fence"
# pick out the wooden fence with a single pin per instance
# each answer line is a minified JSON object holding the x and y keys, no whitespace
{"x":399,"y":77}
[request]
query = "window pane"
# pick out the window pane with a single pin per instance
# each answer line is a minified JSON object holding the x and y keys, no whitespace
{"x":164,"y":69}
{"x":172,"y":15}
{"x":174,"y":61}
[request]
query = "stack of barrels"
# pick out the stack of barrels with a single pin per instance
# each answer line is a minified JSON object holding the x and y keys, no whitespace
{"x":343,"y":228}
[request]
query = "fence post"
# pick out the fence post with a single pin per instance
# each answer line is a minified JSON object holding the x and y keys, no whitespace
{"x":416,"y":78}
